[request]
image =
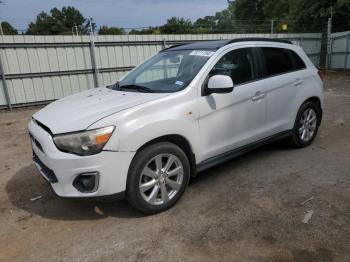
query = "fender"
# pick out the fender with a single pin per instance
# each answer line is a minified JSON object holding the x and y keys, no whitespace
{"x":303,"y":95}
{"x":141,"y":124}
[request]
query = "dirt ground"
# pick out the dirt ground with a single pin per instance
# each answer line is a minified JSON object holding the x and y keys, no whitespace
{"x":245,"y":210}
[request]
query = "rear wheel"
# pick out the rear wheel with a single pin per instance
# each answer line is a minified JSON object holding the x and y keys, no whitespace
{"x":157,"y":178}
{"x":306,"y":124}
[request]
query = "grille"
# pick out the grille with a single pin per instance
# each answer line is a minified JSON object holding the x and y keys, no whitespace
{"x":47,"y":171}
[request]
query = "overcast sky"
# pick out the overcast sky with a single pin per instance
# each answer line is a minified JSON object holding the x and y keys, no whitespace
{"x":122,"y":13}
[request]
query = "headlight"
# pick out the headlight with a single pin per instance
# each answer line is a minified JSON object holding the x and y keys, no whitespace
{"x":84,"y":143}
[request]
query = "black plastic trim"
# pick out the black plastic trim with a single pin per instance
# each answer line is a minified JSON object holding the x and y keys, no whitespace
{"x":46,"y":128}
{"x":81,"y":187}
{"x":107,"y":198}
{"x":259,"y":39}
{"x":216,"y":160}
{"x":47,"y":172}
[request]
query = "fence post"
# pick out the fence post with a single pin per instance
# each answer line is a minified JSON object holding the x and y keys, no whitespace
{"x":164,"y":43}
{"x":347,"y":51}
{"x":329,"y":43}
{"x":93,"y":63}
{"x":272,"y":27}
{"x":4,"y":84}
{"x":1,"y":31}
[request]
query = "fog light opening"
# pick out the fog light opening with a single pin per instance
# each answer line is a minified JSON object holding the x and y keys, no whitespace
{"x":87,"y":182}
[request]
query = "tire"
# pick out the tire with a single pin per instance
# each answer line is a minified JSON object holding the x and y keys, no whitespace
{"x":151,"y":189}
{"x":306,"y":124}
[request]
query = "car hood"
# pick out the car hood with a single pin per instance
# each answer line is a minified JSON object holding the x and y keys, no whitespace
{"x":79,"y":111}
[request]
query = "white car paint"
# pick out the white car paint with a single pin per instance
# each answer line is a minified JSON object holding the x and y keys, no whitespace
{"x":79,"y":111}
{"x":212,"y":124}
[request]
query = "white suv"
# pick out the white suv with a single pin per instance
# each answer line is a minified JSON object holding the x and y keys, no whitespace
{"x":183,"y":110}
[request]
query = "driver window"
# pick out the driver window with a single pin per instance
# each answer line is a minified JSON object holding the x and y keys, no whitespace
{"x":238,"y":64}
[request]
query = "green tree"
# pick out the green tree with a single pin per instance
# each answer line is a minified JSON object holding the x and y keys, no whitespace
{"x":105,"y":30}
{"x":146,"y":31}
{"x":249,"y":16}
{"x":312,"y":15}
{"x":277,"y":9}
{"x":60,"y":22}
{"x":8,"y":29}
{"x":206,"y":24}
{"x":226,"y":20}
{"x":341,"y":17}
{"x":176,"y":25}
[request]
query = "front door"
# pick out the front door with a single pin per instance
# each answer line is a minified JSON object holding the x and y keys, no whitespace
{"x":229,"y":121}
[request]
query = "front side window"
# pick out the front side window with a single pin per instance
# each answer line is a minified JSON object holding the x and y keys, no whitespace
{"x":168,"y":71}
{"x":238,"y":64}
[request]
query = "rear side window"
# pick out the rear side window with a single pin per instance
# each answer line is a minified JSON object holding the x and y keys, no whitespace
{"x":277,"y":61}
{"x":238,"y":64}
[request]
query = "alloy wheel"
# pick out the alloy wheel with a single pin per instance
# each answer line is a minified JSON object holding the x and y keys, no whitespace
{"x":307,"y":124}
{"x":161,"y":179}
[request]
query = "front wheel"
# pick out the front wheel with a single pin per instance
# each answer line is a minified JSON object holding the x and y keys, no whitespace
{"x":158,"y":176}
{"x":306,"y":124}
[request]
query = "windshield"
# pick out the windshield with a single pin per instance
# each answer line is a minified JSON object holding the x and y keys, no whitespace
{"x":168,"y":71}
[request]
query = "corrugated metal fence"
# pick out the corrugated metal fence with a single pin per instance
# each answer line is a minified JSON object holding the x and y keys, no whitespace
{"x":340,"y":51}
{"x":39,"y":69}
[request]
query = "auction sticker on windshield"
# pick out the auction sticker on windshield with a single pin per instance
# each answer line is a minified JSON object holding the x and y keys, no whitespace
{"x":202,"y":53}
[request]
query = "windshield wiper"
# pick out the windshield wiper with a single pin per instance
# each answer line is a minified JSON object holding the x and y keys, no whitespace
{"x":136,"y":87}
{"x":114,"y":86}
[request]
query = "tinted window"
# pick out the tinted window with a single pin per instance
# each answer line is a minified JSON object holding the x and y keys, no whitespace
{"x":277,"y":61}
{"x":298,"y":62}
{"x":238,"y":64}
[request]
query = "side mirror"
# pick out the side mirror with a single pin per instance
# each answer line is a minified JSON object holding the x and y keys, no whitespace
{"x":219,"y":84}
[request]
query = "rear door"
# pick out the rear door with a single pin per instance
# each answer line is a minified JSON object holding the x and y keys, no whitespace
{"x":284,"y":74}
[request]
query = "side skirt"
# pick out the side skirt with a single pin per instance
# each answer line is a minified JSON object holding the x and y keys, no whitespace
{"x":216,"y":160}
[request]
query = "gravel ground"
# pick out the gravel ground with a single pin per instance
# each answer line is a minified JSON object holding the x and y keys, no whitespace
{"x":245,"y":210}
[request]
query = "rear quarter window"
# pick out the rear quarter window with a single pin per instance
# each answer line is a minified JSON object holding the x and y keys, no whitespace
{"x":298,"y":62}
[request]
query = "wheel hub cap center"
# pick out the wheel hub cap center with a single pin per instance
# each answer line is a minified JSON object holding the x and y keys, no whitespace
{"x":162,"y":177}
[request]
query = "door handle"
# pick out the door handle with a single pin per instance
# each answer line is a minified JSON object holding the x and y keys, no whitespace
{"x":298,"y":82}
{"x":258,"y":96}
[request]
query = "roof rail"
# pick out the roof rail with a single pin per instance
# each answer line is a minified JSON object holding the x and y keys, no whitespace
{"x":173,"y":46}
{"x":216,"y":44}
{"x":259,"y":39}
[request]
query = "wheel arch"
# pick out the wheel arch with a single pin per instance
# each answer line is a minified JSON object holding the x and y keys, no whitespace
{"x":317,"y":101}
{"x":179,"y":141}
